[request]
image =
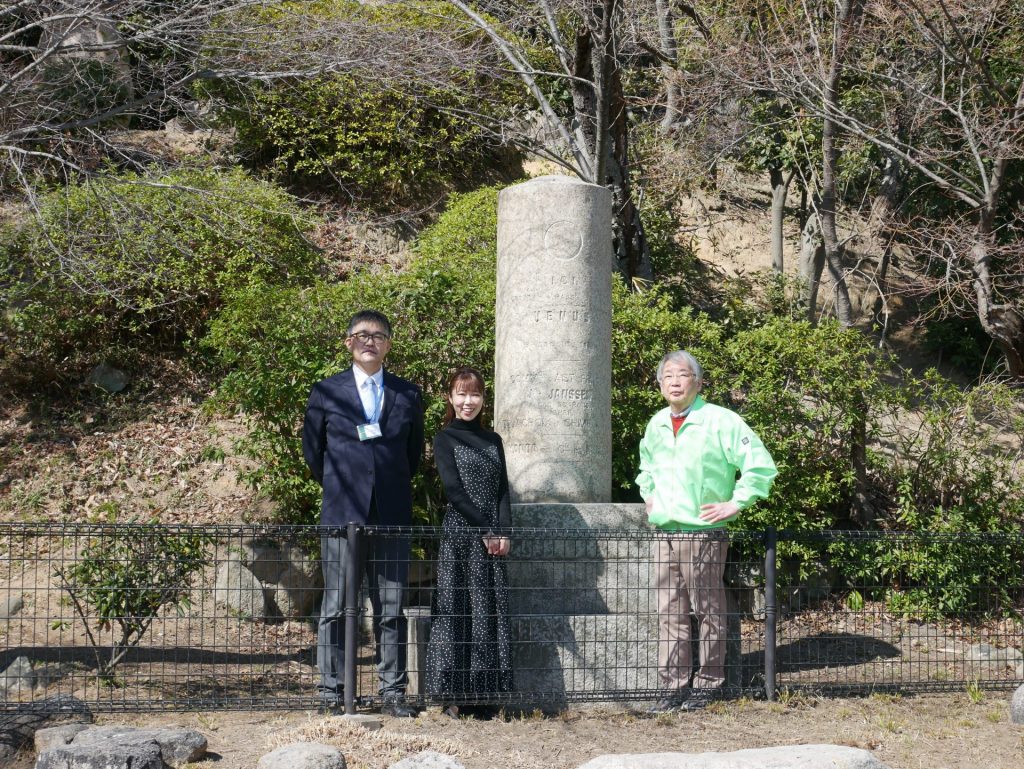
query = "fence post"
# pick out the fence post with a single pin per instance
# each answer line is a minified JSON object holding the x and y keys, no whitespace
{"x":352,"y":580}
{"x":770,"y":611}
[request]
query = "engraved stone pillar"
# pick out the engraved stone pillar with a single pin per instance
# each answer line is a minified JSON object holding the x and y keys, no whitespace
{"x":553,"y":355}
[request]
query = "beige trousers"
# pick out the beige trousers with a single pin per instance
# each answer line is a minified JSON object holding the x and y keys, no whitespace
{"x":691,"y":566}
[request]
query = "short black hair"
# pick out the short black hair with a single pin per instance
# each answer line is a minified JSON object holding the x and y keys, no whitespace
{"x":369,"y":316}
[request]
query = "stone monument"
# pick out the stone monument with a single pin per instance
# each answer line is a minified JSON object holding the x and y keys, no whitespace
{"x":582,"y":569}
{"x":553,"y":346}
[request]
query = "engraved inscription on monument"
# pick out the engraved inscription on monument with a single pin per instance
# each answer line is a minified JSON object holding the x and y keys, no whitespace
{"x":553,"y":355}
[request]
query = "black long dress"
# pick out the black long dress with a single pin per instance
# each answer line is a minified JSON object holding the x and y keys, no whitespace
{"x":470,"y":652}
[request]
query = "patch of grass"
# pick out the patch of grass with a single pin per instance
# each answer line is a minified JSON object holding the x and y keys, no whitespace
{"x":793,"y":698}
{"x":886,"y":698}
{"x":975,"y":693}
{"x":890,"y":724}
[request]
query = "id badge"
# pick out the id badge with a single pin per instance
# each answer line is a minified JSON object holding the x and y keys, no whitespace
{"x":368,"y":431}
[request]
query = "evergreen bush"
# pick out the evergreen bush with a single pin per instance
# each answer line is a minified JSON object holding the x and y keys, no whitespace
{"x":811,"y":392}
{"x":385,"y":142}
{"x":129,"y":263}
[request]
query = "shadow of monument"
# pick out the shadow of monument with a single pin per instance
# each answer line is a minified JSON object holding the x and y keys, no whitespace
{"x":581,"y":603}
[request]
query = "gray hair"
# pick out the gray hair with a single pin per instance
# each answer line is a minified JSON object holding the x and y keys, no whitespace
{"x":680,"y":356}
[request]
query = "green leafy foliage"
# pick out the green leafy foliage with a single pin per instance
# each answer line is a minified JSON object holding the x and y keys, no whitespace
{"x":128,"y":263}
{"x":385,"y":142}
{"x":123,"y":579}
{"x":955,"y":493}
{"x":811,"y":392}
{"x":276,"y":342}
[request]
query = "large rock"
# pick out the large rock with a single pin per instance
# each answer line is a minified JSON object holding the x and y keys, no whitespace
{"x":292,"y":578}
{"x":239,"y":589}
{"x":303,"y":755}
{"x":18,"y":677}
{"x":18,"y":728}
{"x":1017,"y":706}
{"x":145,"y":756}
{"x":57,"y":736}
{"x":125,"y":747}
{"x":294,"y":593}
{"x":11,"y":606}
{"x":428,"y":759}
{"x":107,"y":378}
{"x":1005,"y":657}
{"x":783,"y":757}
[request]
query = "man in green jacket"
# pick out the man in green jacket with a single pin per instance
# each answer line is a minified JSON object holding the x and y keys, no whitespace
{"x":690,"y":456}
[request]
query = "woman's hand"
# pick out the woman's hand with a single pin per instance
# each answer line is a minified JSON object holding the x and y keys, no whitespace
{"x":497,"y":545}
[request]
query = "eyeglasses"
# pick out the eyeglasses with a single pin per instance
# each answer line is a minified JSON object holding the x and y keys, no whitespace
{"x":677,"y":376}
{"x":378,"y":337}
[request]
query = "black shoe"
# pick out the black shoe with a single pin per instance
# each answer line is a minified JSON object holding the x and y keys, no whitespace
{"x":699,"y":699}
{"x":396,"y":707}
{"x":668,"y":704}
{"x":480,"y":712}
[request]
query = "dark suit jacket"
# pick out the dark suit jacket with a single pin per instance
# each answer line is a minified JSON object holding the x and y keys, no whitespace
{"x":351,"y":471}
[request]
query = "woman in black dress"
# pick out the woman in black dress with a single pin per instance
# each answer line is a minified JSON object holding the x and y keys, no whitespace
{"x":469,"y":655}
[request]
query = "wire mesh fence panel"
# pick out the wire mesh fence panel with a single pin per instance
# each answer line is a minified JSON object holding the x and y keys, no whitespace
{"x":875,"y":611}
{"x":570,"y":615}
{"x":135,"y":617}
{"x":148,"y":617}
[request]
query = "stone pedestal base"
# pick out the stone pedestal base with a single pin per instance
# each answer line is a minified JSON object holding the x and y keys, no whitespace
{"x":585,"y":611}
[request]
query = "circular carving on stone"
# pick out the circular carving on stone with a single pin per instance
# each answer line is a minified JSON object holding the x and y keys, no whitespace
{"x":563,"y":240}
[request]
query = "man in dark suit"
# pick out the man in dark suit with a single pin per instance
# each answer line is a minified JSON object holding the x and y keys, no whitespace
{"x":363,"y":441}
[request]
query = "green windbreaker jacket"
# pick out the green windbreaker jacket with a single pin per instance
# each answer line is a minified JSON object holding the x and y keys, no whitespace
{"x":679,"y":473}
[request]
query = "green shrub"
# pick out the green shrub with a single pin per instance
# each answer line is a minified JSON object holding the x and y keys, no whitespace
{"x":950,"y":473}
{"x":812,"y":393}
{"x":125,"y":579}
{"x":276,"y":342}
{"x":132,"y":263}
{"x":644,"y":328}
{"x":384,"y":138}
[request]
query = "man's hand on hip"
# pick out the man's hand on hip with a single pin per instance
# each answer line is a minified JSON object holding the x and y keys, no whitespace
{"x":718,"y":511}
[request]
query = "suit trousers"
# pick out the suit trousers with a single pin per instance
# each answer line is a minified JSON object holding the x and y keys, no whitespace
{"x":690,"y":570}
{"x":384,"y":560}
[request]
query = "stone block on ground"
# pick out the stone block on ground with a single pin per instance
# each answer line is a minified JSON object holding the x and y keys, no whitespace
{"x":782,"y":757}
{"x":364,"y":720}
{"x":1017,"y":706}
{"x":145,"y":756}
{"x":303,"y":755}
{"x":18,"y":676}
{"x":1001,"y":657}
{"x":238,"y":589}
{"x":428,"y":759}
{"x":11,"y":606}
{"x":107,"y":378}
{"x":90,"y":748}
{"x":57,"y":736}
{"x":295,"y":592}
{"x":557,"y":654}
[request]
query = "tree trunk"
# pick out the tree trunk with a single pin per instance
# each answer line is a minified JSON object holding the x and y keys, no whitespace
{"x":879,"y":240}
{"x":812,"y":264}
{"x":780,"y":190}
{"x":667,"y":40}
{"x":848,"y":10}
{"x":600,"y":111}
{"x":1003,"y":322}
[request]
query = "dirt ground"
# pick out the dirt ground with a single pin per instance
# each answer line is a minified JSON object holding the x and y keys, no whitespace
{"x":922,"y":732}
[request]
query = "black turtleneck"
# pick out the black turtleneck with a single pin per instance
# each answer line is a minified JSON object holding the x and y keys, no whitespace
{"x":474,"y":436}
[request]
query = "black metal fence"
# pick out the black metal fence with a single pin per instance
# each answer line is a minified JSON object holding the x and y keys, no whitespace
{"x":132,"y":617}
